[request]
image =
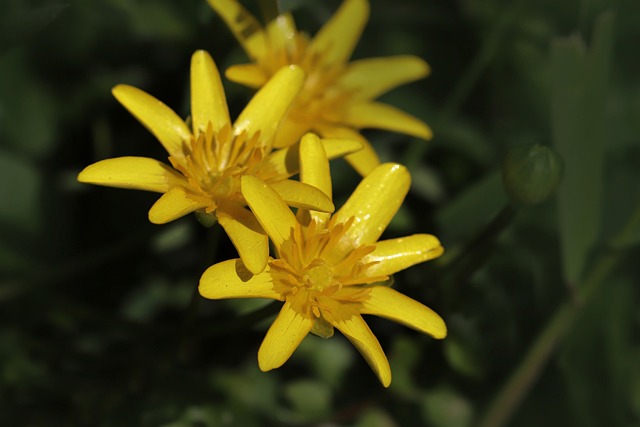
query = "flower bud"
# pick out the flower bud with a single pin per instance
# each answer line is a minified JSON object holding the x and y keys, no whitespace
{"x":531,"y":173}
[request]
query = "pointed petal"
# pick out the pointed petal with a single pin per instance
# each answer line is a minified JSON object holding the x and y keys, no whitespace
{"x":353,"y":326}
{"x":300,"y":195}
{"x":272,"y":212}
{"x":396,"y":255}
{"x":335,"y":147}
{"x":172,"y":205}
{"x":208,"y":101}
{"x":382,"y":116}
{"x":314,"y":170}
{"x":281,"y":164}
{"x":373,"y":204}
{"x":290,"y":132}
{"x":243,"y":25}
{"x":391,"y":304}
{"x":246,"y":74}
{"x":314,"y":164}
{"x":363,"y":160}
{"x":336,"y":40}
{"x":372,"y":77}
{"x":231,"y":279}
{"x":162,"y":121}
{"x":249,"y":239}
{"x":281,"y":32}
{"x":271,"y":104}
{"x":283,"y":337}
{"x":138,"y":173}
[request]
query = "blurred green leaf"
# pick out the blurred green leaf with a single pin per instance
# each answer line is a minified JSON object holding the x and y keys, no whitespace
{"x":310,"y":399}
{"x":403,"y":358}
{"x":19,"y":24}
{"x":376,"y":418}
{"x":330,"y":357}
{"x":21,"y":194}
{"x":474,"y":208}
{"x":579,"y":128}
{"x":444,"y":407}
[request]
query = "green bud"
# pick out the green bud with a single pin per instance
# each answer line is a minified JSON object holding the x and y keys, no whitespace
{"x":206,"y":219}
{"x":531,"y":173}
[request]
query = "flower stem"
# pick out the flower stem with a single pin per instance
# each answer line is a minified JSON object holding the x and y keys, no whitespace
{"x":529,"y":369}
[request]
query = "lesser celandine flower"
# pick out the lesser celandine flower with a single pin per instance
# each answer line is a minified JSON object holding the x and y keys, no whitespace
{"x":210,"y":155}
{"x":338,"y":97}
{"x":328,"y":269}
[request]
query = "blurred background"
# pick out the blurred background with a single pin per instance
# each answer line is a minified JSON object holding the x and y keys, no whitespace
{"x":99,"y":323}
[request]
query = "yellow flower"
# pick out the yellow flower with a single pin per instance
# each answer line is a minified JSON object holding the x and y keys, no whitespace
{"x":210,"y":155}
{"x":328,"y":268}
{"x":338,"y":96}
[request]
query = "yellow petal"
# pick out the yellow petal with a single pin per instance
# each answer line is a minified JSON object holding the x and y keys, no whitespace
{"x":162,"y":121}
{"x":280,"y":164}
{"x":138,"y":173}
{"x":281,"y":32}
{"x":371,"y":77}
{"x":391,"y":304}
{"x":290,"y":132}
{"x":353,"y":326}
{"x":395,"y":255}
{"x":314,"y":170}
{"x":249,"y":239}
{"x":314,"y":164}
{"x":336,"y":40}
{"x":270,"y":105}
{"x":247,"y":74}
{"x":300,"y":195}
{"x":208,"y":101}
{"x":231,"y":279}
{"x":272,"y":212}
{"x":172,"y":205}
{"x":373,"y":204}
{"x":243,"y":26}
{"x":283,"y":337}
{"x":382,"y":116}
{"x":363,"y":160}
{"x":335,"y":148}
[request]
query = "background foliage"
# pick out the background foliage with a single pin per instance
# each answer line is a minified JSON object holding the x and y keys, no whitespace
{"x":98,"y":323}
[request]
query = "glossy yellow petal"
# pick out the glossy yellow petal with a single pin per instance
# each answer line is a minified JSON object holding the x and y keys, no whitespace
{"x":281,"y":164}
{"x":283,"y":337}
{"x":373,"y":204}
{"x":391,"y":304}
{"x":162,"y":121}
{"x":281,"y":32}
{"x":272,"y":212}
{"x":172,"y":205}
{"x":314,"y":170}
{"x":246,"y":234}
{"x":231,"y":279}
{"x":208,"y":101}
{"x":363,"y":160}
{"x":243,"y":25}
{"x":314,"y":164}
{"x":353,"y":326}
{"x":138,"y":173}
{"x":300,"y":195}
{"x":336,"y":40}
{"x":290,"y":132}
{"x":247,"y":74}
{"x":270,"y":105}
{"x":398,"y":254}
{"x":383,"y":116}
{"x":335,"y":147}
{"x":371,"y":77}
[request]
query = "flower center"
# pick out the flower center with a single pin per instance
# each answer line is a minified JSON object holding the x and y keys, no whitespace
{"x":319,"y":278}
{"x":214,"y":162}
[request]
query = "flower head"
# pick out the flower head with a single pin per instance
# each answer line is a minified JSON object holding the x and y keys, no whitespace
{"x":338,"y":96}
{"x":210,"y":155}
{"x":328,"y":269}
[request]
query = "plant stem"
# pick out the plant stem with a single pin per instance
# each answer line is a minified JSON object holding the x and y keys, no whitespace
{"x":529,"y":369}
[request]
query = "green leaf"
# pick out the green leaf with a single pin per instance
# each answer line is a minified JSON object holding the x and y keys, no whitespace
{"x":444,"y":407}
{"x":578,"y":105}
{"x":310,"y":399}
{"x":20,"y":192}
{"x":474,"y":208}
